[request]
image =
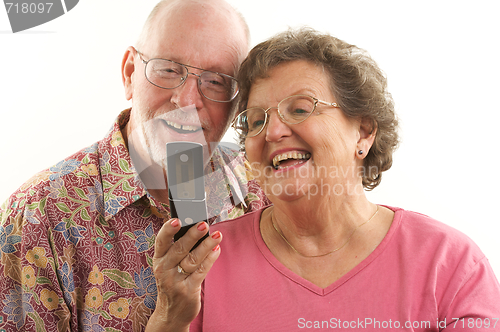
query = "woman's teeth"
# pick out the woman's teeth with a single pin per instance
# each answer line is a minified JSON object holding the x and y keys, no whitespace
{"x":289,"y":155}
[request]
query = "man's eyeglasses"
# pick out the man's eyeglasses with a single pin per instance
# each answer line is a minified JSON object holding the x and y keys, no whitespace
{"x":291,"y":110}
{"x":167,"y":74}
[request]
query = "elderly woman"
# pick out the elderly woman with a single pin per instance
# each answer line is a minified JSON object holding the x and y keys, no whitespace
{"x":318,"y":126}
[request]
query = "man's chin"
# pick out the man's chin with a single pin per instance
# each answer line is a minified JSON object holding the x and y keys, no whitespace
{"x":158,"y":153}
{"x":164,"y":134}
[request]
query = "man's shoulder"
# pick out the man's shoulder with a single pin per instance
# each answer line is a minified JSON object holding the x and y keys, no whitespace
{"x":76,"y":170}
{"x":230,"y":153}
{"x":80,"y":169}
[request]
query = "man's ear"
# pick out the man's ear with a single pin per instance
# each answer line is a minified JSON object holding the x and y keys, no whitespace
{"x":367,"y":133}
{"x":128,"y":68}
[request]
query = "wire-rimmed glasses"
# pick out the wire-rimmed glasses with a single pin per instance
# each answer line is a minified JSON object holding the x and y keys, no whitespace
{"x":168,"y":74}
{"x":292,"y":110}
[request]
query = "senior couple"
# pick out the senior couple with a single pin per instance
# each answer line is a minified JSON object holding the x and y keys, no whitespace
{"x":88,"y":243}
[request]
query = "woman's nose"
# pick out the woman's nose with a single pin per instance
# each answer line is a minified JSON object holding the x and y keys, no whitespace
{"x":276,"y":129}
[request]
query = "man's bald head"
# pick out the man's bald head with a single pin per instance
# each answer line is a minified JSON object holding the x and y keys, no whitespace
{"x":212,"y":9}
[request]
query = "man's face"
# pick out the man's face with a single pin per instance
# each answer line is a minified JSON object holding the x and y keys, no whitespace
{"x":183,"y":113}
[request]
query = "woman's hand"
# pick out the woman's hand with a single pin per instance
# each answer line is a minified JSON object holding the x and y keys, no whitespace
{"x":179,"y":274}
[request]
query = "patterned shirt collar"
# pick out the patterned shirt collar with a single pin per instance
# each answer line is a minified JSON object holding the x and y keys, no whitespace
{"x":116,"y":169}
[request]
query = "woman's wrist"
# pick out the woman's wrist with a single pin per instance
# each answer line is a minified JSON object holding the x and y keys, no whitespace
{"x":160,"y":322}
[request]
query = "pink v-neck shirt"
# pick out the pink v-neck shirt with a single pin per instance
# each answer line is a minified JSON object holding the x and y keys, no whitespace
{"x":423,"y":276}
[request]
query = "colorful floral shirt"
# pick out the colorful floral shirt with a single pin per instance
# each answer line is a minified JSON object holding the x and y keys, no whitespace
{"x":77,"y":239}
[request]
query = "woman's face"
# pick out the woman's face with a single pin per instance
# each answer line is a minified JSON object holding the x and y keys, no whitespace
{"x":319,"y":154}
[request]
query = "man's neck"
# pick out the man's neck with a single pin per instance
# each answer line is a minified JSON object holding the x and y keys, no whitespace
{"x":154,"y":180}
{"x":160,"y":195}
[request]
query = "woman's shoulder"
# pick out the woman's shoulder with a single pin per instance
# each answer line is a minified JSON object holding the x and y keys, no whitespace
{"x":425,"y":234}
{"x":422,"y":224}
{"x":239,"y":224}
{"x":440,"y":257}
{"x":240,"y":238}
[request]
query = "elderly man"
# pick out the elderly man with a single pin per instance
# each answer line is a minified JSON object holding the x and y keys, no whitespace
{"x":77,"y":240}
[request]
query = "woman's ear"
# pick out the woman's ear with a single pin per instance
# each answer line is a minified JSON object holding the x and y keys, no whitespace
{"x":367,"y":133}
{"x":128,"y":68}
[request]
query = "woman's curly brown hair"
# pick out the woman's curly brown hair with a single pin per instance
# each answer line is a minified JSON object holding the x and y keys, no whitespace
{"x":358,"y":84}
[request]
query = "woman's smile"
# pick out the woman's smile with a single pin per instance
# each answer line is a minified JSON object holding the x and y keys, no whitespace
{"x":290,"y":159}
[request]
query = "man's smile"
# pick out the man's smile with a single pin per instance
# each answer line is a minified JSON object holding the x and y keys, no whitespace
{"x":183,"y":129}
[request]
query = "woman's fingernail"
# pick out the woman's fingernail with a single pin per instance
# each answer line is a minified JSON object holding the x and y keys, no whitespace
{"x":216,"y":235}
{"x":202,"y":226}
{"x":174,"y":222}
{"x":217,"y":247}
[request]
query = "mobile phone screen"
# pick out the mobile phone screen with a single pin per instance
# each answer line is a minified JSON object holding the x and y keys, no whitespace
{"x":186,"y":184}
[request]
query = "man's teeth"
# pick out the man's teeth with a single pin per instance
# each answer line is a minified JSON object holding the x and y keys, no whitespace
{"x":183,"y":127}
{"x":289,"y":155}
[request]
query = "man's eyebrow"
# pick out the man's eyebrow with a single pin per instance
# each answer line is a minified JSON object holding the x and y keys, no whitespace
{"x":221,"y":68}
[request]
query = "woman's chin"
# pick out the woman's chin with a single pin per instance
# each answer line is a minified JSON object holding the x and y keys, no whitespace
{"x":290,"y":190}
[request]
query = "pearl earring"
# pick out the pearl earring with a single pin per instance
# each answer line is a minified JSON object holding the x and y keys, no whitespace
{"x":360,"y":152}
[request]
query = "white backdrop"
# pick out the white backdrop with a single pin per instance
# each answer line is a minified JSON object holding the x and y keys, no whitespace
{"x":61,"y":91}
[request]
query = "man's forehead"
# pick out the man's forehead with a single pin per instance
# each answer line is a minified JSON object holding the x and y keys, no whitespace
{"x":205,"y":40}
{"x":218,"y":57}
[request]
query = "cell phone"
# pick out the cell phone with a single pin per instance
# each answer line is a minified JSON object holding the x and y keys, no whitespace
{"x":186,"y":185}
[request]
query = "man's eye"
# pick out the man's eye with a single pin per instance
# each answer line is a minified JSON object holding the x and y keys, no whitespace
{"x":214,"y":82}
{"x":168,"y":71}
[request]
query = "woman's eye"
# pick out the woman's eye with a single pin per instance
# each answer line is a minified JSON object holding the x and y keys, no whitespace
{"x":257,"y":124}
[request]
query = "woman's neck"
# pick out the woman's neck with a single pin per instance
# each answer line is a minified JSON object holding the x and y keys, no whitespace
{"x":331,"y":246}
{"x":324,"y":224}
